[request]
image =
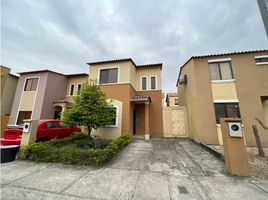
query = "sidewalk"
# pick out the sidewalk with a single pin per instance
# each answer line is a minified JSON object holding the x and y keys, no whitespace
{"x":156,"y":169}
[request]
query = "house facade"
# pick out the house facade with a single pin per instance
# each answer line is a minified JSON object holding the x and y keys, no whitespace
{"x":172,"y":99}
{"x":43,"y":95}
{"x":224,"y":85}
{"x":8,"y":88}
{"x":136,"y":92}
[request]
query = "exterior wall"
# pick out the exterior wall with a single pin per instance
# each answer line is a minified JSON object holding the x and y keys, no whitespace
{"x":111,"y":132}
{"x":4,"y":122}
{"x":199,"y":93}
{"x":224,"y":91}
{"x":150,"y":71}
{"x":55,"y":89}
{"x":124,"y":71}
{"x":8,"y":94}
{"x":171,"y":101}
{"x":175,"y":121}
{"x":75,"y":80}
{"x":27,"y":100}
{"x":251,"y":84}
{"x":122,"y":93}
{"x":265,"y":110}
{"x":4,"y":74}
{"x":156,"y":112}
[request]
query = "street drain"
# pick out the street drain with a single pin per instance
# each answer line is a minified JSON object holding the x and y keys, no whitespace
{"x":183,"y":190}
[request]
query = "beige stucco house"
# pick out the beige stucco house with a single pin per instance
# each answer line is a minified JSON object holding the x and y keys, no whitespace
{"x":224,"y":85}
{"x":43,"y":94}
{"x":136,"y":92}
{"x":8,"y":89}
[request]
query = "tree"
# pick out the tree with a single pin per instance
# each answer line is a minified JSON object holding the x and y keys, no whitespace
{"x":90,"y":108}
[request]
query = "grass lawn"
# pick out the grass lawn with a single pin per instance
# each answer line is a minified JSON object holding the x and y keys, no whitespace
{"x":76,"y":149}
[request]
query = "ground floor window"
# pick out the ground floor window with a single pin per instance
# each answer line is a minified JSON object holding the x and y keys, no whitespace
{"x":225,"y":110}
{"x":114,"y":122}
{"x":23,"y":115}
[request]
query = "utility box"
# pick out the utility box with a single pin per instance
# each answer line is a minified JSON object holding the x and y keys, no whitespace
{"x":235,"y":129}
{"x":29,"y":132}
{"x":235,"y":154}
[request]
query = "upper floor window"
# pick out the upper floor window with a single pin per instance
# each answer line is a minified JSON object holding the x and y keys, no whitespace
{"x":261,"y":60}
{"x":176,"y":101}
{"x":225,"y":110}
{"x":23,"y":115}
{"x":108,"y":76}
{"x":79,"y":85}
{"x":72,"y":90}
{"x":153,"y":82}
{"x":31,"y":84}
{"x":220,"y":70}
{"x":144,"y":83}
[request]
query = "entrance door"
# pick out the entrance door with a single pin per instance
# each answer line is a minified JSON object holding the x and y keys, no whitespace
{"x":134,"y":122}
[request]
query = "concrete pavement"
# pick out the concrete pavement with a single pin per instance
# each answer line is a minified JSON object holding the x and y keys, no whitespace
{"x":155,"y":169}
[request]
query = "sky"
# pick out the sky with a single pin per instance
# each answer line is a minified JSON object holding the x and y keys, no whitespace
{"x":64,"y":35}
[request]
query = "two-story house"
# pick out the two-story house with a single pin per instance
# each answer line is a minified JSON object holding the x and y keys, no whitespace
{"x":43,"y":94}
{"x":8,"y":88}
{"x":224,"y":85}
{"x":136,"y":92}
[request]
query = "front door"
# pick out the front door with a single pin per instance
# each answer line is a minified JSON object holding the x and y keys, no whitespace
{"x":134,"y":122}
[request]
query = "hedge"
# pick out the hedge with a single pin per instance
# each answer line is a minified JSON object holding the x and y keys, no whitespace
{"x":67,"y":151}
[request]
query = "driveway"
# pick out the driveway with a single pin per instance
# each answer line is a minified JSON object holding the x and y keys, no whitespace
{"x":156,"y":169}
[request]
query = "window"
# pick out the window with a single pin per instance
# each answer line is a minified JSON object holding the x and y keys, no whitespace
{"x":261,"y":60}
{"x":144,"y":83}
{"x":176,"y":101}
{"x":51,"y":125}
{"x":31,"y":84}
{"x":113,"y":123}
{"x":108,"y":75}
{"x":72,"y":90}
{"x":79,"y":88}
{"x":153,"y":82}
{"x":224,"y":110}
{"x":220,"y":70}
{"x":23,"y":115}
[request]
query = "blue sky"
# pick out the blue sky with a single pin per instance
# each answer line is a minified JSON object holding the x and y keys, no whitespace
{"x":63,"y":35}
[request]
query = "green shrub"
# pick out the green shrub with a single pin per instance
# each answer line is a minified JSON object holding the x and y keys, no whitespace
{"x":75,"y":149}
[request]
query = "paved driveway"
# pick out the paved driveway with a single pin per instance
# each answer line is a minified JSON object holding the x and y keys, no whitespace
{"x":156,"y":169}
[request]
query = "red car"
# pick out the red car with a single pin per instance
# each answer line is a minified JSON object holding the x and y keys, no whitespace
{"x":47,"y":129}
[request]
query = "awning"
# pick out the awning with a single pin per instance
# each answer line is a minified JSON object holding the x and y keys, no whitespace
{"x":140,"y":99}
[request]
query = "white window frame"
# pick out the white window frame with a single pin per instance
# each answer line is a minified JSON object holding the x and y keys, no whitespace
{"x":70,"y":90}
{"x":222,"y":80}
{"x":147,"y":83}
{"x":261,"y":63}
{"x":116,"y":118}
{"x":220,"y":60}
{"x":225,"y":101}
{"x":155,"y":82}
{"x":37,"y":88}
{"x":111,"y":67}
{"x":176,"y":98}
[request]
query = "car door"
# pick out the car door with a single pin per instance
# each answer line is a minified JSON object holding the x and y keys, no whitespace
{"x":52,"y":130}
{"x":66,"y":130}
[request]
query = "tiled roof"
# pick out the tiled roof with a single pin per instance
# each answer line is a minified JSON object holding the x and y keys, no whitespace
{"x":79,"y":74}
{"x":125,"y":60}
{"x":62,"y":101}
{"x":174,"y":94}
{"x":111,"y":61}
{"x":140,"y":98}
{"x":40,"y":71}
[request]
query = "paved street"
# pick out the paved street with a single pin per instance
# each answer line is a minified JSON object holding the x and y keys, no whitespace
{"x":156,"y":169}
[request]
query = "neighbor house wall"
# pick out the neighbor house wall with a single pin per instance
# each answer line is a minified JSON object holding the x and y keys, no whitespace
{"x":55,"y":90}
